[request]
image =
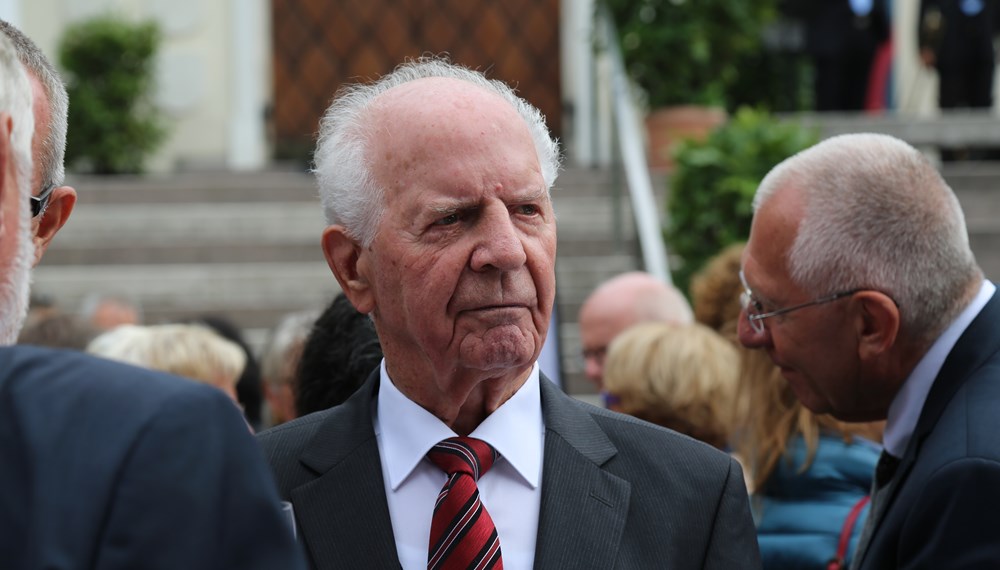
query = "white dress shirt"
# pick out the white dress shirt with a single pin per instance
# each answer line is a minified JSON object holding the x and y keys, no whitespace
{"x":511,"y":490}
{"x":904,"y":412}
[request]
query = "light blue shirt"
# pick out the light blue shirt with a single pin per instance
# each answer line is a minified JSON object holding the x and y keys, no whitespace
{"x":909,"y":402}
{"x":971,"y":7}
{"x":511,"y":490}
{"x":861,"y":7}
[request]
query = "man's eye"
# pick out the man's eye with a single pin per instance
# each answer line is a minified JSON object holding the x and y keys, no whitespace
{"x":448,"y":220}
{"x":527,"y":209}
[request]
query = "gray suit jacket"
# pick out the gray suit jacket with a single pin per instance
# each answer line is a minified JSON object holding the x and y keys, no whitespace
{"x":616,"y":492}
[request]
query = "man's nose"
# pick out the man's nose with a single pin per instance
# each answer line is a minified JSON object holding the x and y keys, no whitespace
{"x":750,"y":337}
{"x":500,"y":244}
{"x":594,"y":370}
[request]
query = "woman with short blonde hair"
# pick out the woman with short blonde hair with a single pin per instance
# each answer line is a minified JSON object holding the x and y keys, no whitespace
{"x":192,"y":351}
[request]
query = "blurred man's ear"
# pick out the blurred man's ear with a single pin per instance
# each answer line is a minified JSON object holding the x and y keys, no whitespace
{"x":60,"y":206}
{"x":348,"y":262}
{"x":8,"y":183}
{"x":6,"y":126}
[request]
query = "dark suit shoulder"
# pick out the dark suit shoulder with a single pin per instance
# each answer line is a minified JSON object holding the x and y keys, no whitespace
{"x":646,"y":451}
{"x":70,"y":385}
{"x":291,"y":437}
{"x":640,"y":435}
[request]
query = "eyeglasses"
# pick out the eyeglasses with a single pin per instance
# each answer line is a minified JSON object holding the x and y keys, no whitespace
{"x":755,"y":310}
{"x":40,"y":202}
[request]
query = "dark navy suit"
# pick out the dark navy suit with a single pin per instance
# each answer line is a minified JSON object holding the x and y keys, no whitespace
{"x":107,"y":466}
{"x":942,"y":507}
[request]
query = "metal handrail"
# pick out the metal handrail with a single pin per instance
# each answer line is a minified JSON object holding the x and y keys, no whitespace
{"x":633,"y":154}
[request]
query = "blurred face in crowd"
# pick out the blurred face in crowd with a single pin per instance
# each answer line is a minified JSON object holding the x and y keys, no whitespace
{"x":460,"y":277}
{"x":600,"y":323}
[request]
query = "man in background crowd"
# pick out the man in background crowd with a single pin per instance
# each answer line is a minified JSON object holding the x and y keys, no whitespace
{"x":617,"y":304}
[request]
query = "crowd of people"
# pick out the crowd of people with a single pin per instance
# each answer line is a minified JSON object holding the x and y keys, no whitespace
{"x":827,"y":397}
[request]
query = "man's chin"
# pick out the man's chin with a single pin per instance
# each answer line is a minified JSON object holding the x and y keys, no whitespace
{"x":500,"y":347}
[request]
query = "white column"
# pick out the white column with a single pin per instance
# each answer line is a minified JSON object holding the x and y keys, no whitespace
{"x":578,"y":77}
{"x":250,"y":64}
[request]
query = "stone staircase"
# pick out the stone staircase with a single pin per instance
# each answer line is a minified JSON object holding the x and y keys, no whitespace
{"x":246,"y":246}
{"x":243,"y":246}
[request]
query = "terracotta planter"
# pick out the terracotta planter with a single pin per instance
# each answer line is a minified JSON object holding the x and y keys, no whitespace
{"x":668,"y":125}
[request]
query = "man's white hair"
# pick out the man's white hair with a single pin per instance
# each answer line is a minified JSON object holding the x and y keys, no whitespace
{"x":348,"y":190}
{"x":15,"y":100}
{"x":877,"y":215}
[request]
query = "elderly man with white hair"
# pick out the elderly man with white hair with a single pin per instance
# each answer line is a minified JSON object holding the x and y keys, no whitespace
{"x":457,"y":452}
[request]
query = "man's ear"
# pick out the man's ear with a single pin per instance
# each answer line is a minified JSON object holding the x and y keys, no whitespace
{"x":60,"y":206}
{"x":6,"y":126}
{"x":348,"y":261}
{"x":877,"y":323}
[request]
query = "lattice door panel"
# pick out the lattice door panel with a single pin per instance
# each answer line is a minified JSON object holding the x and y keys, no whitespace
{"x":321,"y":44}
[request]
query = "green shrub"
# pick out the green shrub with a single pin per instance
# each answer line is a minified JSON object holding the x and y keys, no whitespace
{"x":108,"y":64}
{"x":689,"y":51}
{"x":711,"y":189}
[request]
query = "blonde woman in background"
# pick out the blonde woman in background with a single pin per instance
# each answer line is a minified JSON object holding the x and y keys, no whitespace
{"x":682,"y":377}
{"x":806,"y":471}
{"x":192,"y":351}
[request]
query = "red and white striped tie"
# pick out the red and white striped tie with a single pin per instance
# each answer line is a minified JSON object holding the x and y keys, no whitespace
{"x":463,"y":535}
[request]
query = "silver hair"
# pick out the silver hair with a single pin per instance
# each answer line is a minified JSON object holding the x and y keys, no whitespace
{"x":54,"y":142}
{"x":15,"y":99}
{"x":877,"y":215}
{"x":348,"y":190}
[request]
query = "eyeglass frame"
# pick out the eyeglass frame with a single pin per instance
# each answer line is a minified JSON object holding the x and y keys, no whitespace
{"x":756,"y":320}
{"x":41,"y":202}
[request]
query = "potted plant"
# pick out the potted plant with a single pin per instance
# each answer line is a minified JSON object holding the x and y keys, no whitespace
{"x":714,"y":180}
{"x":685,"y":56}
{"x":109,"y":71}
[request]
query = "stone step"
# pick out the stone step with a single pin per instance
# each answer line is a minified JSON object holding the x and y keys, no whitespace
{"x":195,"y":288}
{"x":197,"y":188}
{"x":159,"y":225}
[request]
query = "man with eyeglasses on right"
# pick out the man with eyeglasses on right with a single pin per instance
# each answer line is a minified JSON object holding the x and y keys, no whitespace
{"x":862,"y":288}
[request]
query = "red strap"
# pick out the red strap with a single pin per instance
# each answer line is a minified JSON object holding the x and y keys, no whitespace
{"x":846,"y":532}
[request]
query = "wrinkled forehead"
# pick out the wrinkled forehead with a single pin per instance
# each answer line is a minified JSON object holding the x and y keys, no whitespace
{"x":422,"y":111}
{"x":421,"y":126}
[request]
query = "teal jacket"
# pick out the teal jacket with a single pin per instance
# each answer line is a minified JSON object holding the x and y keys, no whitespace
{"x":799,"y":516}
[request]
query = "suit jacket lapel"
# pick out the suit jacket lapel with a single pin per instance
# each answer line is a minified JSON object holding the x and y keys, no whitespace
{"x":576,"y":488}
{"x":978,"y":343}
{"x":343,"y":513}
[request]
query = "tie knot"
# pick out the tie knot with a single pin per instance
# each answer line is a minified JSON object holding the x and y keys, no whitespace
{"x":463,"y":455}
{"x":885,"y":469}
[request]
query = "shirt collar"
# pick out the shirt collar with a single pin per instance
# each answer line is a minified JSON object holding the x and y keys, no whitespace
{"x":904,"y":412}
{"x":407,"y":431}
